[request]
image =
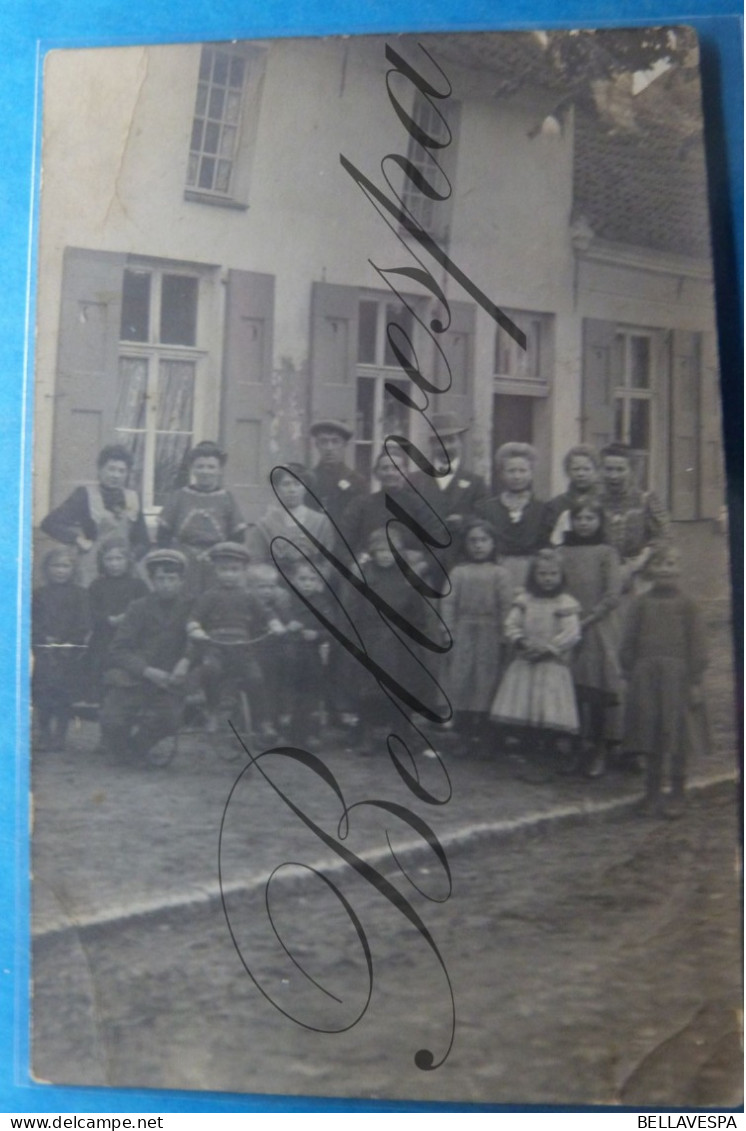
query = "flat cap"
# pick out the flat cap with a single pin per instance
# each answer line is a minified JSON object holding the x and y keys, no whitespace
{"x":232,"y":550}
{"x":164,"y":556}
{"x":331,"y":426}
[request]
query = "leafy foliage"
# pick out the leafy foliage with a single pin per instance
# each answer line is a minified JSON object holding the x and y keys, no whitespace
{"x":580,"y":57}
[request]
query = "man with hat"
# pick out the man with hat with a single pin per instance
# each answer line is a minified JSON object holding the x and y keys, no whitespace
{"x":148,"y":662}
{"x":334,"y":483}
{"x":455,"y":493}
{"x":337,"y":486}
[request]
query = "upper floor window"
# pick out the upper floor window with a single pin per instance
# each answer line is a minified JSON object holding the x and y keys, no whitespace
{"x":531,"y":367}
{"x":225,"y":114}
{"x":436,"y":166}
{"x":217,"y":116}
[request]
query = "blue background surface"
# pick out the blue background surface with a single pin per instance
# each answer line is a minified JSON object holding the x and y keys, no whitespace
{"x":29,"y":29}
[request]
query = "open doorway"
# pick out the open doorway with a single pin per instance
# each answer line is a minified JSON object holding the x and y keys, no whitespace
{"x":512,"y":421}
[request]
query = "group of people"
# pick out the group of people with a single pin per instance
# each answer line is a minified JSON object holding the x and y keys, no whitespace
{"x":558,"y":619}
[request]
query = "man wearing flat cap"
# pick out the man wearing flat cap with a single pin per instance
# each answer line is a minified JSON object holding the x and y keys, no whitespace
{"x":455,"y":494}
{"x":334,"y":483}
{"x":336,"y":486}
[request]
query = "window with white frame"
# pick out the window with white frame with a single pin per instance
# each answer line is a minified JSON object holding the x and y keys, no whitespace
{"x":633,"y":403}
{"x":381,"y":319}
{"x":435,"y":166}
{"x":161,"y":368}
{"x":225,"y":114}
{"x":531,"y":366}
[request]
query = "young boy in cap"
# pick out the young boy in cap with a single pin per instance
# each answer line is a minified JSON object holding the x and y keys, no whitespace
{"x":222,"y":621}
{"x":148,"y":662}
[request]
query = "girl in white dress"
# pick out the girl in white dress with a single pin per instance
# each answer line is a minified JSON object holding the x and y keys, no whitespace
{"x":537,"y":693}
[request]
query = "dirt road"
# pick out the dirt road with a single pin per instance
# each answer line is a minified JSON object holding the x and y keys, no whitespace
{"x":594,"y":962}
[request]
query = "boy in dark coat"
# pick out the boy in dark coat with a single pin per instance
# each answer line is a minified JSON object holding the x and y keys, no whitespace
{"x":148,"y":662}
{"x":222,"y":623}
{"x":305,"y":654}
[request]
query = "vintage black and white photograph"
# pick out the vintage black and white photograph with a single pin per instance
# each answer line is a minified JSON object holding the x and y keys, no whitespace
{"x":383,"y":729}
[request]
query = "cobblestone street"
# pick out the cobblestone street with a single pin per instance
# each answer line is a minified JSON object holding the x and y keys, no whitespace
{"x":594,"y":955}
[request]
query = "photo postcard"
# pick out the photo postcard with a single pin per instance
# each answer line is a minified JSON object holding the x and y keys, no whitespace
{"x":383,"y":734}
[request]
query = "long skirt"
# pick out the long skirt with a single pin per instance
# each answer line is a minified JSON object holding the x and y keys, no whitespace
{"x":471,"y":670}
{"x":517,"y":567}
{"x":537,"y":694}
{"x":656,"y":707}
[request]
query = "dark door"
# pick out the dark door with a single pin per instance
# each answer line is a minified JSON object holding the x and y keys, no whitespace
{"x":512,"y":422}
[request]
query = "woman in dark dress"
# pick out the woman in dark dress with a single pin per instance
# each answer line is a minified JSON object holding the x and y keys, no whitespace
{"x":519,"y":519}
{"x":99,"y":510}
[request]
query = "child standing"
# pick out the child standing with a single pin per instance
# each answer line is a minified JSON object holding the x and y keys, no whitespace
{"x":305,"y":653}
{"x":537,"y":692}
{"x":390,"y":649}
{"x":593,"y":578}
{"x":60,"y":623}
{"x":475,"y":611}
{"x":277,"y":536}
{"x":109,"y":596}
{"x":265,"y":583}
{"x":224,"y":619}
{"x":664,"y":657}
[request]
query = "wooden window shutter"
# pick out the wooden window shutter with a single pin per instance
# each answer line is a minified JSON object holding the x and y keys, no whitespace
{"x":87,"y":365}
{"x":334,"y":329}
{"x":247,"y":388}
{"x":599,"y":381}
{"x":712,"y":474}
{"x":684,"y":424}
{"x":457,"y":343}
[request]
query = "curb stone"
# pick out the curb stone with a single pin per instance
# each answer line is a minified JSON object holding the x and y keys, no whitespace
{"x":202,"y":896}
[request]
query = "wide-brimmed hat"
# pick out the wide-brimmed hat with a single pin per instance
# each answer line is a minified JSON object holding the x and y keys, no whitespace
{"x":331,"y":426}
{"x":448,"y":424}
{"x":165,"y":556}
{"x":232,"y":551}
